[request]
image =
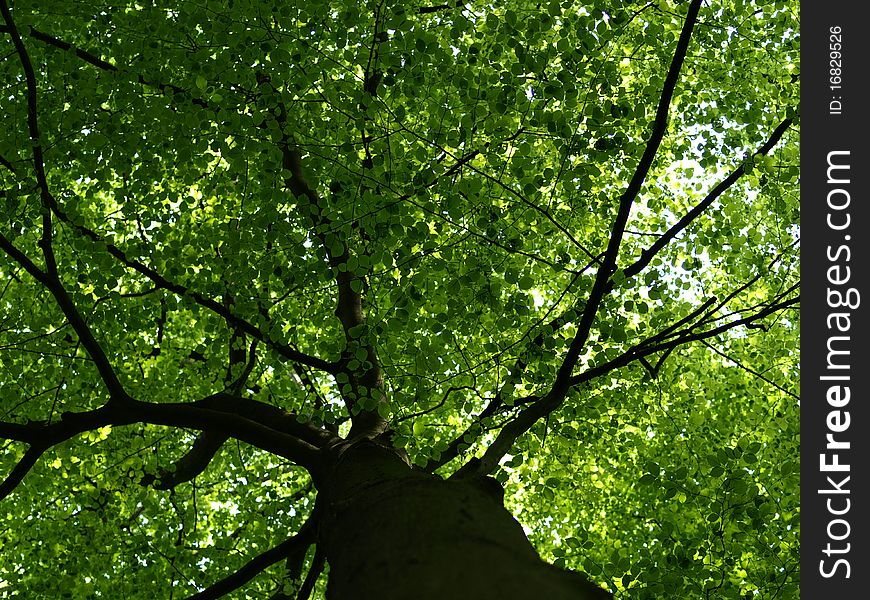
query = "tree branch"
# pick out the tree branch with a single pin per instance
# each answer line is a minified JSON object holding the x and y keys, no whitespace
{"x":653,"y":370}
{"x":425,"y":10}
{"x":317,"y":564}
{"x":271,"y":416}
{"x":649,"y":346}
{"x":367,"y":380}
{"x":495,"y":180}
{"x":192,"y":464}
{"x":75,"y":319}
{"x":5,"y":162}
{"x":549,"y":402}
{"x":538,"y":410}
{"x":749,"y":370}
{"x":260,"y":425}
{"x":554,"y":325}
{"x":261,"y":562}
{"x":286,"y":350}
{"x":608,"y":266}
{"x":239,"y":362}
{"x":647,"y":255}
{"x":33,"y":129}
{"x":16,"y":476}
{"x":107,"y":66}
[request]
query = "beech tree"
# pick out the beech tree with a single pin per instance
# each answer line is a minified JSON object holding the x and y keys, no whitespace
{"x":399,"y":300}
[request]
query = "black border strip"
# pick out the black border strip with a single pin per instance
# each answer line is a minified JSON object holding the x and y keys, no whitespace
{"x":835,"y":301}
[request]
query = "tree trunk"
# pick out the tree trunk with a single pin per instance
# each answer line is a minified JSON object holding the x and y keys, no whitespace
{"x":393,"y":533}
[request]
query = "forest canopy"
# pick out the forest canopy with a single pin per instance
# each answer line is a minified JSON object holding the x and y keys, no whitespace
{"x":548,"y":249}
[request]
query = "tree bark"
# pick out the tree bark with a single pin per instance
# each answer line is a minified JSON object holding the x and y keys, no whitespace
{"x":391,"y":532}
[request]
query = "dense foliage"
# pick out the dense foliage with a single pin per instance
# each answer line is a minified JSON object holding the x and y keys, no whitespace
{"x":527,"y":232}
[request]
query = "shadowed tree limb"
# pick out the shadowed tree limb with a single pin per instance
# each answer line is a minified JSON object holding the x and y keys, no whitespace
{"x":286,"y":350}
{"x":21,"y":468}
{"x":651,"y":346}
{"x":497,"y":401}
{"x":35,"y":137}
{"x":529,"y":416}
{"x":425,"y":10}
{"x":49,"y":276}
{"x":209,"y":443}
{"x":654,"y":369}
{"x":107,"y":66}
{"x":705,"y":306}
{"x":308,"y":385}
{"x":271,"y":416}
{"x":648,"y":254}
{"x":260,"y":425}
{"x":239,"y":362}
{"x":293,"y":546}
{"x":550,"y":401}
{"x":192,"y":464}
{"x":5,"y":162}
{"x":749,"y":370}
{"x":317,"y":565}
{"x":73,"y":316}
{"x":602,"y":278}
{"x":239,"y":384}
{"x":366,"y":380}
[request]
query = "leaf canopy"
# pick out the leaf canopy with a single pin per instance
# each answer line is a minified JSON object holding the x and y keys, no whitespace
{"x":464,"y":167}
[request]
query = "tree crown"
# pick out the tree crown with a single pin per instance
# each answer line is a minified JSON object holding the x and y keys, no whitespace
{"x":556,"y":243}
